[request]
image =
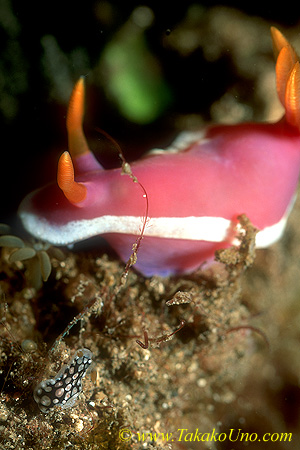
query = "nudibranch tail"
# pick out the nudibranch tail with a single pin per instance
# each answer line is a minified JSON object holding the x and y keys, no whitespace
{"x":287,"y":77}
{"x":77,"y":142}
{"x":74,"y":192}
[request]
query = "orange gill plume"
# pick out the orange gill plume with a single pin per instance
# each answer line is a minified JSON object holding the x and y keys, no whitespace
{"x":287,"y":76}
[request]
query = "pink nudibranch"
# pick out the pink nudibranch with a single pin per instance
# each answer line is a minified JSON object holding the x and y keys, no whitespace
{"x":196,"y":188}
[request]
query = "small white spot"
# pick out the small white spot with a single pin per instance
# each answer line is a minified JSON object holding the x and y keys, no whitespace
{"x":59,"y":392}
{"x":48,"y":388}
{"x":74,"y":391}
{"x":45,"y":400}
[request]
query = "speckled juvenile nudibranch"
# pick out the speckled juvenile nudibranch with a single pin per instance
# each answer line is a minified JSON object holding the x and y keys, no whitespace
{"x":64,"y":389}
{"x":196,"y":188}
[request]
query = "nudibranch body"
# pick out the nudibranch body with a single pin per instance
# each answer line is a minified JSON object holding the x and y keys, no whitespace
{"x":196,"y":189}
